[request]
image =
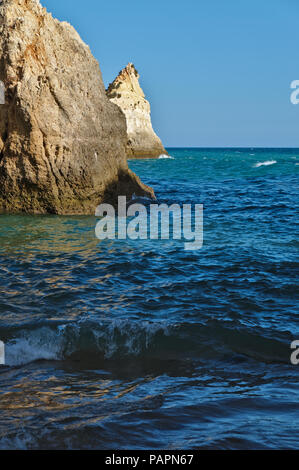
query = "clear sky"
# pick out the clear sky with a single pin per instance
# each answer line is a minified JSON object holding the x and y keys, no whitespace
{"x":216,"y":72}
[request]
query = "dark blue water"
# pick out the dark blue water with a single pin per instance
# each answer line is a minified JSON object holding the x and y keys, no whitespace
{"x":141,"y":344}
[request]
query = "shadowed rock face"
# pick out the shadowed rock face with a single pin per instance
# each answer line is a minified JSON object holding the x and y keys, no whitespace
{"x":62,"y":142}
{"x":126,"y":92}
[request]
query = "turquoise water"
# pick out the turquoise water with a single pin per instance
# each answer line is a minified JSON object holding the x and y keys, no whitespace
{"x":141,"y":344}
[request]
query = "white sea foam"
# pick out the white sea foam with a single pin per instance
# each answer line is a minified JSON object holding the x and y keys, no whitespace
{"x":163,"y":156}
{"x":266,"y":163}
{"x":42,"y":344}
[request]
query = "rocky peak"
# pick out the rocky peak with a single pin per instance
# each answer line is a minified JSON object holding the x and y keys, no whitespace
{"x":126,"y":82}
{"x":126,"y":92}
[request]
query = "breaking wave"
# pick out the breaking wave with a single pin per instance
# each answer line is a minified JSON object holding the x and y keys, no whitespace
{"x":266,"y":163}
{"x":106,"y":340}
{"x":163,"y":156}
{"x":90,"y":342}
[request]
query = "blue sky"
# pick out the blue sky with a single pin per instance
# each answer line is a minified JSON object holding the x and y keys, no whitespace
{"x":217,"y":73}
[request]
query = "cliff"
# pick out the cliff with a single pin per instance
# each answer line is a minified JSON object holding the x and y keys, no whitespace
{"x":125,"y":91}
{"x":62,"y":142}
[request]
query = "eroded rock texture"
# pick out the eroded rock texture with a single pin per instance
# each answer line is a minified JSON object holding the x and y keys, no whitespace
{"x":126,"y":92}
{"x":62,"y":142}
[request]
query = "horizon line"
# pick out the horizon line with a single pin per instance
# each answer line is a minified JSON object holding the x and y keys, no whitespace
{"x":230,"y":147}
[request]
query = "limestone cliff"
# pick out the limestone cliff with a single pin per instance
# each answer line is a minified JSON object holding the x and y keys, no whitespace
{"x":62,"y":142}
{"x":126,"y":92}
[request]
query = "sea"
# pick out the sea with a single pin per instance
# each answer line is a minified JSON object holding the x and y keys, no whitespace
{"x":142,"y":344}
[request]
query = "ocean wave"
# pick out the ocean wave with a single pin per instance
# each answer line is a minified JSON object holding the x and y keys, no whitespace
{"x":107,"y":339}
{"x":163,"y":156}
{"x":41,"y":344}
{"x":91,"y":342}
{"x":266,"y":163}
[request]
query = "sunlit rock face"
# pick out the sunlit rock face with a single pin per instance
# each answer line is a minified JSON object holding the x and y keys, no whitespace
{"x":62,"y":142}
{"x":126,"y":92}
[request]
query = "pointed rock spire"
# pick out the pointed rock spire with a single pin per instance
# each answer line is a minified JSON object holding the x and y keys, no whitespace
{"x":126,"y":92}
